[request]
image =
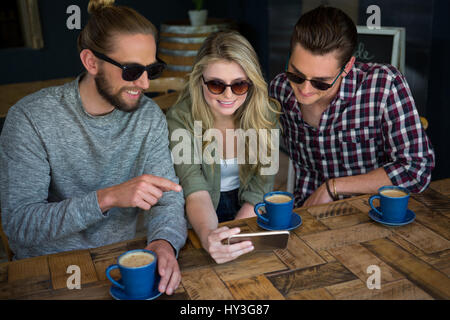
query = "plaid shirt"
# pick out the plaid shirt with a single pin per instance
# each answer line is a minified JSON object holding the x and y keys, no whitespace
{"x":372,"y":122}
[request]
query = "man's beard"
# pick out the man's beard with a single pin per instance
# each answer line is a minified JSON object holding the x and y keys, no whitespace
{"x":104,"y":89}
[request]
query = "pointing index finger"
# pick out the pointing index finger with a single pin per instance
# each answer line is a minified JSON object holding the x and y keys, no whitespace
{"x":164,"y":184}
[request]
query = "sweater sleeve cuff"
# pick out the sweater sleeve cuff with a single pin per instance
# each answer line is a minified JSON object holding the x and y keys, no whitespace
{"x":174,"y":239}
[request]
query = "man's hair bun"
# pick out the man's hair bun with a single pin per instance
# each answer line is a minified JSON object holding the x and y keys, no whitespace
{"x":97,"y":5}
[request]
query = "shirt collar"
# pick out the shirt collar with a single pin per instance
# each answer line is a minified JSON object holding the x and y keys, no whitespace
{"x":349,"y":84}
{"x":290,"y":93}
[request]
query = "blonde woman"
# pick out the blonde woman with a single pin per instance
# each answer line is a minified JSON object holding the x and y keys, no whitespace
{"x":220,"y":177}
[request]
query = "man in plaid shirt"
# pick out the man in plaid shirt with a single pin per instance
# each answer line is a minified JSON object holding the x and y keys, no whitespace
{"x":349,"y":127}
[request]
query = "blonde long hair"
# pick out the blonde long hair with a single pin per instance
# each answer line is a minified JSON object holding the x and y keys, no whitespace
{"x":108,"y":20}
{"x":255,"y":113}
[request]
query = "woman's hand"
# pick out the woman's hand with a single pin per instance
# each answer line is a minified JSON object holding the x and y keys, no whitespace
{"x":223,"y":253}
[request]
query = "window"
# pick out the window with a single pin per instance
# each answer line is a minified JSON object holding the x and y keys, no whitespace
{"x":20,"y":25}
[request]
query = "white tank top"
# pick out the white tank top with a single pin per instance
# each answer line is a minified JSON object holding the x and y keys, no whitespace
{"x":229,"y":174}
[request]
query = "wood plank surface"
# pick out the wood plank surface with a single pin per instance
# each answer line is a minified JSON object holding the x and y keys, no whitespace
{"x":417,"y":271}
{"x":19,"y":289}
{"x":4,"y":272}
{"x":423,"y":238}
{"x":397,"y":290}
{"x":434,"y":200}
{"x":292,"y":283}
{"x":194,"y":258}
{"x":309,"y":224}
{"x":204,"y":284}
{"x":250,"y":265}
{"x":441,"y":186}
{"x":357,"y":259}
{"x":405,"y":244}
{"x":28,"y":269}
{"x":298,"y":255}
{"x":433,"y":220}
{"x":179,"y":294}
{"x":105,"y":256}
{"x":326,"y":255}
{"x":59,"y":263}
{"x":192,"y":236}
{"x":327,"y":258}
{"x":440,"y":261}
{"x":311,"y":294}
{"x":138,"y":243}
{"x":361,"y":203}
{"x":346,"y":220}
{"x":254,"y":288}
{"x":346,"y":236}
{"x":337,"y":209}
{"x":90,"y":291}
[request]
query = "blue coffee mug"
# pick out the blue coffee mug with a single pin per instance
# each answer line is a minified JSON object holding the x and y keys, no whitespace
{"x":278,"y":215}
{"x":136,"y":282}
{"x":392,"y":208}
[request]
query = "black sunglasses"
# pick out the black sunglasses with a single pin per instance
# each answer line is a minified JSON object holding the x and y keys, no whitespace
{"x":320,"y":85}
{"x":218,"y":87}
{"x":132,"y":72}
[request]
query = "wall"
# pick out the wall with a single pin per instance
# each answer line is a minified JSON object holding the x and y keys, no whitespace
{"x":416,"y":16}
{"x":268,"y":24}
{"x":426,"y":60}
{"x":438,"y":108}
{"x":59,"y":57}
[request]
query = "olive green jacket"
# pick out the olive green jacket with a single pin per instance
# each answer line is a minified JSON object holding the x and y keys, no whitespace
{"x":203,"y":176}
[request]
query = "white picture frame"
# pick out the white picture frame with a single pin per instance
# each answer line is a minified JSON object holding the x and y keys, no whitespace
{"x":398,"y":46}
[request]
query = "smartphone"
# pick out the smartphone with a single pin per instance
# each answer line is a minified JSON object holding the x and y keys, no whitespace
{"x":269,"y":240}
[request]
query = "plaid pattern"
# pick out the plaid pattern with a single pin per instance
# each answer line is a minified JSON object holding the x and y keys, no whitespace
{"x":371,"y":123}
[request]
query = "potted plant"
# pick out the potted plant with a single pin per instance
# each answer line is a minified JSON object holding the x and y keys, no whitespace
{"x":199,"y":15}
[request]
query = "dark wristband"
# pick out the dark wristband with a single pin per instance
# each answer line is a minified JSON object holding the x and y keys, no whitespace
{"x":329,"y":190}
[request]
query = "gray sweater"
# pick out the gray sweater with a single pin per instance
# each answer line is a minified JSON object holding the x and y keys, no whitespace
{"x":53,"y":158}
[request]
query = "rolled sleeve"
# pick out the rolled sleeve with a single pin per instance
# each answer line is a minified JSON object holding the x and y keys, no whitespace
{"x":410,"y":153}
{"x":190,"y":173}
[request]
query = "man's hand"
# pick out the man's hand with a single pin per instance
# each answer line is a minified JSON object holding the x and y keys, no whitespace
{"x":167,"y":266}
{"x":142,"y":192}
{"x":320,"y":196}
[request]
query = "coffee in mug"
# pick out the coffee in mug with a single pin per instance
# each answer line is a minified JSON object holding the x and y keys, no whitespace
{"x":393,"y":193}
{"x":393,"y":203}
{"x":279,"y":206}
{"x":279,"y":198}
{"x":136,"y":259}
{"x":138,"y":271}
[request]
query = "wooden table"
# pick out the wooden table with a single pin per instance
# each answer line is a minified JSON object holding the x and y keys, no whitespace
{"x":327,"y":258}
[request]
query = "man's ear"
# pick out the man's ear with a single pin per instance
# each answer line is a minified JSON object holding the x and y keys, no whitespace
{"x":89,"y":61}
{"x":349,"y":65}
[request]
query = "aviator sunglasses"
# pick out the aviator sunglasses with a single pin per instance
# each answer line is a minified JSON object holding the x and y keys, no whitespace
{"x":218,"y":87}
{"x":320,"y":85}
{"x":132,"y":72}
